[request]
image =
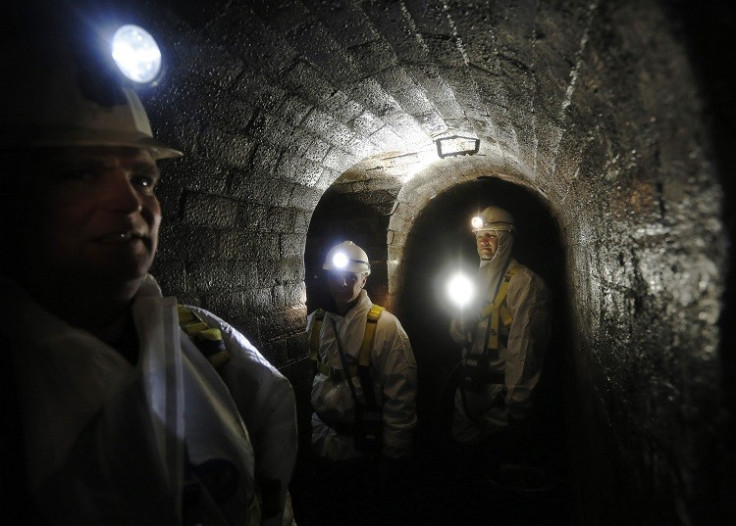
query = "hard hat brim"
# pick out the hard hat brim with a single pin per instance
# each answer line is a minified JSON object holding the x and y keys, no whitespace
{"x":495,"y":227}
{"x":158,"y":149}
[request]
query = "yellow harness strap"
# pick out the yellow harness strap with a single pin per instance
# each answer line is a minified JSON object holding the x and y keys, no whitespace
{"x":207,"y":339}
{"x":495,"y":311}
{"x":364,"y":357}
{"x":211,"y":344}
{"x":334,"y":374}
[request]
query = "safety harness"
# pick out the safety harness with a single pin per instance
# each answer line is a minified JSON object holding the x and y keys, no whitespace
{"x":497,"y":311}
{"x":359,"y":369}
{"x":368,"y":420}
{"x":476,"y":372}
{"x":207,"y":339}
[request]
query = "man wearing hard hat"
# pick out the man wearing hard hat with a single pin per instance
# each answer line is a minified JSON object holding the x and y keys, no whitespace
{"x":120,"y":406}
{"x":364,"y":389}
{"x":504,"y":340}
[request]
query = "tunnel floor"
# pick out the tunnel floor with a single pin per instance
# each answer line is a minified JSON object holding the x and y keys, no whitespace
{"x":440,"y":486}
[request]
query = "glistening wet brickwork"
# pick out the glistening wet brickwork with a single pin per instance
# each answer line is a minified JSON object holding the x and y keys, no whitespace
{"x":611,"y":112}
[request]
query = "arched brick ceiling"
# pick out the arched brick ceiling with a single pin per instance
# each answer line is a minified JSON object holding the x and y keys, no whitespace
{"x":591,"y":104}
{"x":347,"y":80}
{"x":565,"y":96}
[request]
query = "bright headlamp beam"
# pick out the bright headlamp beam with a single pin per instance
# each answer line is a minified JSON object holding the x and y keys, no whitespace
{"x":460,"y":290}
{"x":340,"y":260}
{"x":136,"y":54}
{"x":477,"y":222}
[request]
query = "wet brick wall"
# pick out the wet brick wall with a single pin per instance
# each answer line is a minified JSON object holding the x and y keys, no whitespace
{"x":597,"y":107}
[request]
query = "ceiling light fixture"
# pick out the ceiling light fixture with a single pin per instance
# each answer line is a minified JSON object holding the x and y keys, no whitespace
{"x":457,"y":145}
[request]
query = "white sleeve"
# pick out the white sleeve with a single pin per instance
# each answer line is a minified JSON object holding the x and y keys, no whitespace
{"x":528,"y":301}
{"x":397,"y":372}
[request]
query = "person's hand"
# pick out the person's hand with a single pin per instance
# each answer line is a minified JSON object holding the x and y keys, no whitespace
{"x":457,"y":331}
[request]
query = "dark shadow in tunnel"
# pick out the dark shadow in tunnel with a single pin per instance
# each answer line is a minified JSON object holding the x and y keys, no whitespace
{"x":440,"y":243}
{"x":435,"y":490}
{"x":361,"y":217}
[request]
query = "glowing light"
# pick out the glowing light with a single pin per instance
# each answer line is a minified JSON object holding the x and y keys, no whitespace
{"x":477,"y":222}
{"x":460,"y":290}
{"x":340,"y":260}
{"x":136,"y":53}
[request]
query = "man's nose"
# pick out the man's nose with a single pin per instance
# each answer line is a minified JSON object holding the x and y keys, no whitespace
{"x":119,"y":193}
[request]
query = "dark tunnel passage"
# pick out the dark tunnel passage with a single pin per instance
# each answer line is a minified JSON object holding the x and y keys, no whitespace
{"x":306,"y":122}
{"x":440,"y":243}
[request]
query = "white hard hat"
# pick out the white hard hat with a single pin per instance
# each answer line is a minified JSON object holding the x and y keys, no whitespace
{"x":56,"y":94}
{"x":347,"y":257}
{"x":493,"y":218}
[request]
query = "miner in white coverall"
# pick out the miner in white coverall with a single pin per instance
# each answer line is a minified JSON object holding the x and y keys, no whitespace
{"x":113,"y":411}
{"x":504,"y":337}
{"x":364,"y":403}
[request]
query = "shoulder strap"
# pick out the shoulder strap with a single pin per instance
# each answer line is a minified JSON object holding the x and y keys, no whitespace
{"x":370,"y":335}
{"x":362,"y":370}
{"x":365,"y":347}
{"x":207,"y":339}
{"x":495,"y":308}
{"x":364,"y":357}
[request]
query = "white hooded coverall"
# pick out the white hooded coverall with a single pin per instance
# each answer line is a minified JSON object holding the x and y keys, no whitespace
{"x":394,"y":376}
{"x":108,"y":442}
{"x":521,"y":353}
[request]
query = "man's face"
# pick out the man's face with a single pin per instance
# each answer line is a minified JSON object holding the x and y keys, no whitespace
{"x":486,"y":243}
{"x":345,"y":286}
{"x":96,"y":215}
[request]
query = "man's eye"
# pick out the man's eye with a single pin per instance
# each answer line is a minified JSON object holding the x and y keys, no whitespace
{"x":145,"y":181}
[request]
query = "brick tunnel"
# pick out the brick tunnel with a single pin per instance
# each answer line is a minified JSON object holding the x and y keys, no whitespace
{"x":607,"y":126}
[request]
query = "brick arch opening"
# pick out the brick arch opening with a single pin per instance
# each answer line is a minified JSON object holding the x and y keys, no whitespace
{"x":608,"y":106}
{"x":356,"y":207}
{"x":438,"y":244}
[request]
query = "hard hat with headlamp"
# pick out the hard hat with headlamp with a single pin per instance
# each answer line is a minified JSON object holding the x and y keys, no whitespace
{"x":493,"y":218}
{"x":347,"y":257}
{"x":61,"y":93}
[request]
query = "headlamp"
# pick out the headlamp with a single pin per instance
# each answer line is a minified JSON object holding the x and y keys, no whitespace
{"x":136,"y":54}
{"x":340,"y":260}
{"x":478,"y":224}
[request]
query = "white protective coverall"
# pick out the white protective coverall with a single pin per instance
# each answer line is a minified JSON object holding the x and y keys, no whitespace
{"x":106,"y":441}
{"x":394,"y":375}
{"x":520,"y":357}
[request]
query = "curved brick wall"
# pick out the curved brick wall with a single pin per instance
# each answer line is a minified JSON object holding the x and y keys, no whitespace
{"x":306,"y":120}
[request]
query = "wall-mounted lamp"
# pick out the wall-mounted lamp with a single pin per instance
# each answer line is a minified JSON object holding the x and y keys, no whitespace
{"x":457,"y":145}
